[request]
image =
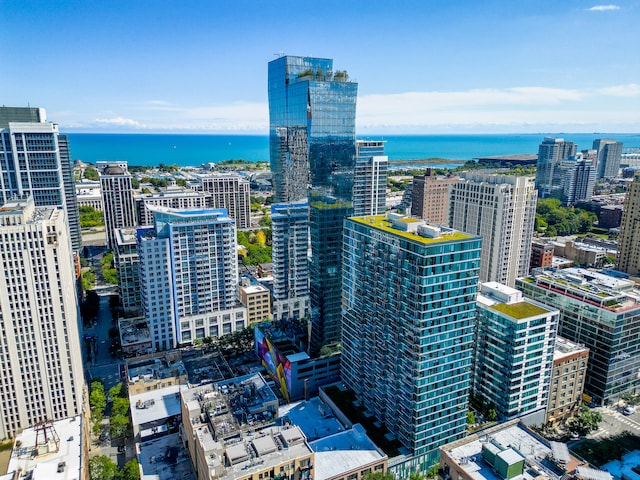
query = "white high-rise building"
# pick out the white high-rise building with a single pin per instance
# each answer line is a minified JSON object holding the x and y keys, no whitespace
{"x":290,"y":242}
{"x":117,"y":198}
{"x":41,"y":374}
{"x":231,"y":192}
{"x":370,"y":178}
{"x":501,"y":209}
{"x":35,"y":160}
{"x":171,"y":197}
{"x":608,"y":157}
{"x":189,"y":276}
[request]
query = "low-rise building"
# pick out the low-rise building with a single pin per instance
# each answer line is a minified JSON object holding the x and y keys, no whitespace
{"x":508,"y":451}
{"x":567,"y":380}
{"x":135,"y":336}
{"x":581,"y":253}
{"x":229,"y":432}
{"x":282,"y":353}
{"x":51,"y":451}
{"x":155,"y":372}
{"x":257,"y":300}
{"x":342,"y":449}
{"x":89,"y":194}
{"x":541,"y":255}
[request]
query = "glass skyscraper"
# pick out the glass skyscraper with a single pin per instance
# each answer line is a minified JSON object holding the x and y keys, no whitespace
{"x":409,"y":302}
{"x":312,"y":111}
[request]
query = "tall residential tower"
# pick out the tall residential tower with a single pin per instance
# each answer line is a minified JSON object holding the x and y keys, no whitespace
{"x":117,"y":198}
{"x":549,"y":173}
{"x":312,"y":110}
{"x":501,"y":209}
{"x":290,"y":234}
{"x":35,"y":160}
{"x":629,"y":239}
{"x":409,"y":303}
{"x":189,"y":276}
{"x":41,"y":375}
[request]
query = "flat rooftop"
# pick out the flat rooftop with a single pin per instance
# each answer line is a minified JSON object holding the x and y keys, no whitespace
{"x":154,"y":369}
{"x":51,"y":464}
{"x":206,"y":367}
{"x":269,"y":447}
{"x":155,"y":405}
{"x":385,"y":224}
{"x":134,"y":331}
{"x":565,"y":348}
{"x":314,"y":417}
{"x":590,"y":285}
{"x":241,"y":404}
{"x":343,"y":452}
{"x":467,"y":453}
{"x":155,"y":465}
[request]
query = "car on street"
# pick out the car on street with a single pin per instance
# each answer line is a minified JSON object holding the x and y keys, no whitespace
{"x":629,"y":410}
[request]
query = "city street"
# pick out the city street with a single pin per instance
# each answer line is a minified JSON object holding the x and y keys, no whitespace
{"x":614,"y":422}
{"x":102,"y":365}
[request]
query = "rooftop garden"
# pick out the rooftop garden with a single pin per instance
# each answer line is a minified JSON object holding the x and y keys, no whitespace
{"x":519,"y":310}
{"x":381,"y":223}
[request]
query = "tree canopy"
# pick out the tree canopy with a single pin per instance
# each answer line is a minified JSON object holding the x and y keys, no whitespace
{"x":553,"y":219}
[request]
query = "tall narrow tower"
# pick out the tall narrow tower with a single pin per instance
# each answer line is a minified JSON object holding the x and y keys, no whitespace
{"x":549,"y":175}
{"x":35,"y":160}
{"x":117,"y":198}
{"x":40,"y":356}
{"x":312,"y":111}
{"x":370,"y":178}
{"x":290,"y":234}
{"x":629,"y":240}
{"x":608,"y":157}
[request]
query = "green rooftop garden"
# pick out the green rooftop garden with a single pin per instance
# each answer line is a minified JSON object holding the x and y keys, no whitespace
{"x":381,"y":223}
{"x":519,"y":310}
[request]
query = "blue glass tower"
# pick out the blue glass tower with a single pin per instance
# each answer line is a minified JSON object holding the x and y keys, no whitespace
{"x":312,"y":111}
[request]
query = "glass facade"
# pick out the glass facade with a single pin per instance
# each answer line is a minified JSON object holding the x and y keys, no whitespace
{"x":409,"y":308}
{"x":605,"y":321}
{"x":514,"y":354}
{"x":312,"y":111}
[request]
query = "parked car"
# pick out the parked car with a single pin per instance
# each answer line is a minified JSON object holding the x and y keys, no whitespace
{"x":629,"y":410}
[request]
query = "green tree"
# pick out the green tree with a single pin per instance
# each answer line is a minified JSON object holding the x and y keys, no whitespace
{"x":97,"y":398}
{"x":90,"y":173}
{"x":130,"y":471}
{"x":108,"y":270}
{"x":88,"y":280}
{"x":102,"y":468}
{"x":120,"y":406}
{"x":118,"y":425}
{"x":181,"y":182}
{"x":135,"y":183}
{"x":90,"y":217}
{"x":471,"y":418}
{"x":584,"y":422}
{"x":492,"y":415}
{"x":378,"y":476}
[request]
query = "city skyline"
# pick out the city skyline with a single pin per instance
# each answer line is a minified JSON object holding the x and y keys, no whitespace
{"x":465,"y":67}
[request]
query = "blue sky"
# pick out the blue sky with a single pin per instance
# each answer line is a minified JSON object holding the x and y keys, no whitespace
{"x":429,"y":66}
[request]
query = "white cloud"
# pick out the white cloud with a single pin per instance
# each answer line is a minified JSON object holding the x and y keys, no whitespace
{"x":119,"y":122}
{"x":629,"y":90}
{"x":603,"y":8}
{"x":525,"y":108}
